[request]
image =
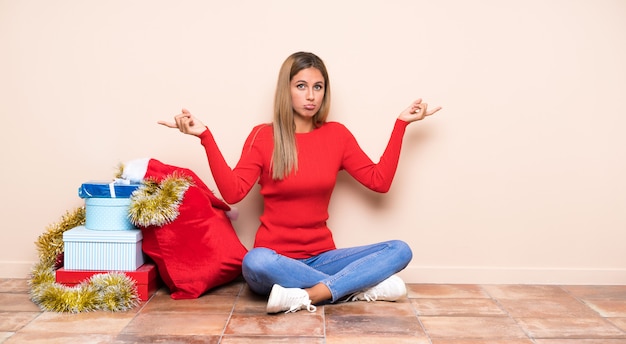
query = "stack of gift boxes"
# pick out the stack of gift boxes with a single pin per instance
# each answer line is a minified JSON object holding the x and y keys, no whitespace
{"x":108,"y":241}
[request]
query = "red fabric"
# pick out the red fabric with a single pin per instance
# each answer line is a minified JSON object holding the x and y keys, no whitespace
{"x":295,"y":212}
{"x":199,"y":250}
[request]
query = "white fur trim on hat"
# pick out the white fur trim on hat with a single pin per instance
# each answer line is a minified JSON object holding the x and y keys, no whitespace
{"x":135,"y":170}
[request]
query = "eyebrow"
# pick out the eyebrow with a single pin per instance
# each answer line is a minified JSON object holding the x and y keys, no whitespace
{"x":304,"y":81}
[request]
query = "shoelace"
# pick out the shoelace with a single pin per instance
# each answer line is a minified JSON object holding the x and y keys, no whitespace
{"x":369,"y":296}
{"x":297,"y":307}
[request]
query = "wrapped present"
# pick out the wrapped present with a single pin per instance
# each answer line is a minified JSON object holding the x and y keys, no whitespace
{"x":107,"y":203}
{"x":119,"y":188}
{"x":146,"y":278}
{"x":87,"y":249}
{"x":107,"y":214}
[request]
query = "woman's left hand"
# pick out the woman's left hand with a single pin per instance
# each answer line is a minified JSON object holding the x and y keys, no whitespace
{"x":417,"y":111}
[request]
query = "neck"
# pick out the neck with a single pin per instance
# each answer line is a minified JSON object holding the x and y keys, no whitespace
{"x":304,"y":126}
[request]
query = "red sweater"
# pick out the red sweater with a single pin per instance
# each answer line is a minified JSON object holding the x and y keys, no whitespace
{"x":293,"y":222}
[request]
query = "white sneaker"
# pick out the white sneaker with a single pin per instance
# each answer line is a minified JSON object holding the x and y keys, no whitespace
{"x":289,"y":300}
{"x":390,"y":289}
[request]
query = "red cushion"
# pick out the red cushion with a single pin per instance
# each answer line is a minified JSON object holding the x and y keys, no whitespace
{"x":199,"y":250}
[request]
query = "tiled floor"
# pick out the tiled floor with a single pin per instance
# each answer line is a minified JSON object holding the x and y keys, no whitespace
{"x":437,"y":314}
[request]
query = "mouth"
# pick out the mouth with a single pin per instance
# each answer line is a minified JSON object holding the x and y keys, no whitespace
{"x":310,"y":107}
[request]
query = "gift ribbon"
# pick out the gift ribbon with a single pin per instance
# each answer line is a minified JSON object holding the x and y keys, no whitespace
{"x":117,"y":181}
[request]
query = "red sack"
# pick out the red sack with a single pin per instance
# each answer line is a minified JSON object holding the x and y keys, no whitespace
{"x":185,"y":231}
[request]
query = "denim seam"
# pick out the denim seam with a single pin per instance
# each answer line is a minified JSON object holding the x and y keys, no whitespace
{"x":333,"y":278}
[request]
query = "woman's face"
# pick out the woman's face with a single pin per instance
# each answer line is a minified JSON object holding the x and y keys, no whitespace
{"x":307,"y":92}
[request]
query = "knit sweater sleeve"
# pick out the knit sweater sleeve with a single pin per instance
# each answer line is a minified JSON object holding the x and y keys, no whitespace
{"x":375,"y":176}
{"x":233,"y":184}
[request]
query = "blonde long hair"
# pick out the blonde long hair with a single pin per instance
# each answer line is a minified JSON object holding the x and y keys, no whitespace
{"x":285,"y":155}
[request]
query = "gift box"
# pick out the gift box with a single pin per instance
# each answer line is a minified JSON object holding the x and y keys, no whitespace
{"x":118,"y":188}
{"x":107,"y":214}
{"x":86,"y":249}
{"x":146,"y":278}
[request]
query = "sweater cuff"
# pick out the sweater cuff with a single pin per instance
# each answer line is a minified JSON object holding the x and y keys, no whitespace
{"x":205,"y":134}
{"x":401,"y":124}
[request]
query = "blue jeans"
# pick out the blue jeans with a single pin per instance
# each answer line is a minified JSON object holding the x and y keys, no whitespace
{"x":344,"y":271}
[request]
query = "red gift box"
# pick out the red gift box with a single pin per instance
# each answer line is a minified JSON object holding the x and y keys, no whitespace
{"x":146,"y":278}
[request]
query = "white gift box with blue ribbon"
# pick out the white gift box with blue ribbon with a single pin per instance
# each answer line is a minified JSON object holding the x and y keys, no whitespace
{"x":86,"y":249}
{"x":107,"y":203}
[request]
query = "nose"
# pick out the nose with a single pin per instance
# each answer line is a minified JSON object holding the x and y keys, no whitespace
{"x":310,"y":95}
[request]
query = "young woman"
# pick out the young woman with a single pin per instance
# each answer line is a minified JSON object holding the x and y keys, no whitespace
{"x":296,"y":159}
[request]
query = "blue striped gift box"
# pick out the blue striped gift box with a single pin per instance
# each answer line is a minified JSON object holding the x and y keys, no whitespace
{"x":87,"y":249}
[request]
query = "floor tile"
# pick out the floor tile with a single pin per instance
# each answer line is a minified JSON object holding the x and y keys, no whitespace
{"x":271,"y":340}
{"x":233,"y":288}
{"x":297,"y":324}
{"x":433,"y":291}
{"x":371,"y":325}
{"x":82,"y":323}
{"x":14,"y":321}
{"x":521,"y":291}
{"x":483,"y":341}
{"x":618,"y":322}
{"x":377,"y":308}
{"x":251,"y":303}
{"x":377,"y":339}
{"x":17,"y":302}
{"x":126,"y":338}
{"x":177,"y":324}
{"x":608,"y":308}
{"x":457,"y":307}
{"x":598,"y":291}
{"x":580,"y":341}
{"x":60,"y":338}
{"x":472,"y":328}
{"x":14,"y":286}
{"x":559,"y":307}
{"x":206,"y":304}
{"x":570,"y":328}
{"x":5,"y":335}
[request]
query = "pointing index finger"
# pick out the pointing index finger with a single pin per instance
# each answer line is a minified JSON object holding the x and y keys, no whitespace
{"x":168,"y":124}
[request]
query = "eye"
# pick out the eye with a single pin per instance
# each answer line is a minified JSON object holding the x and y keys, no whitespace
{"x":300,"y":86}
{"x":318,"y":87}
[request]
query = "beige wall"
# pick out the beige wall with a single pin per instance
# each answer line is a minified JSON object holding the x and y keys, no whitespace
{"x":519,"y":179}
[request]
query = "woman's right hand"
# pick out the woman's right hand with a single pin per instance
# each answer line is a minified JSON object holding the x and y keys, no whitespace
{"x":186,"y":123}
{"x":417,"y":111}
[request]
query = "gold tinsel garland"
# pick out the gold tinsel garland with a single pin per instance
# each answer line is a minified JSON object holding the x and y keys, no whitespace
{"x":157,"y":203}
{"x":113,"y":291}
